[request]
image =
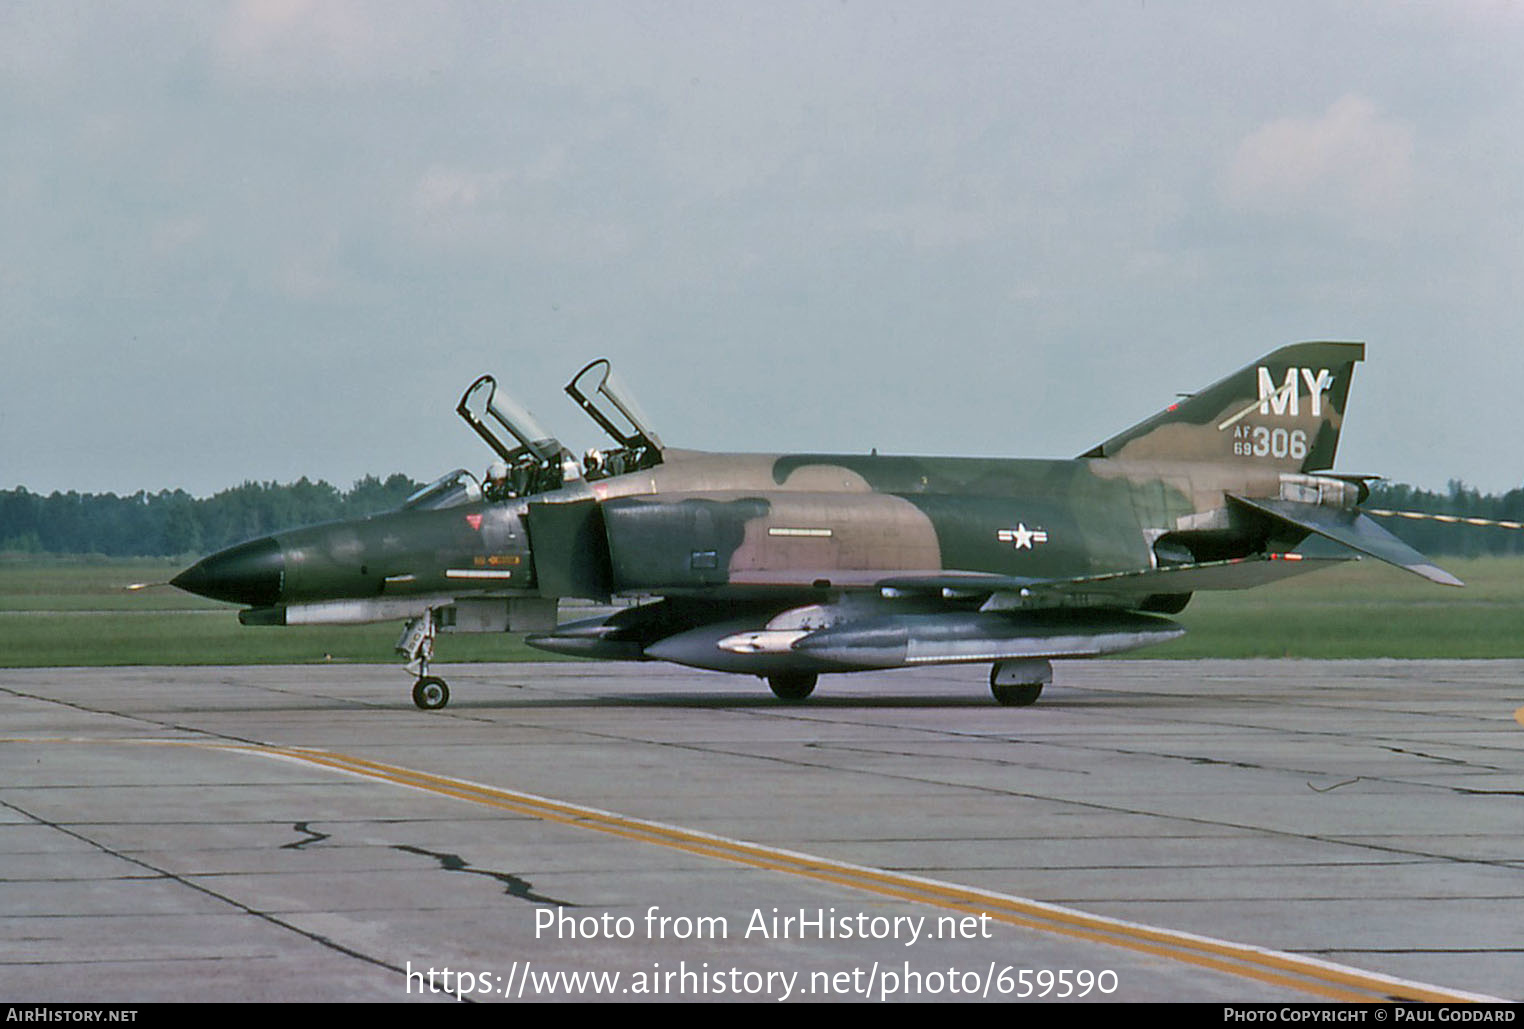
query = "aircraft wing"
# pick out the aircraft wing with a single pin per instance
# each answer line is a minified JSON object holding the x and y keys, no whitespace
{"x":1237,"y":573}
{"x":910,"y":580}
{"x":1232,"y":574}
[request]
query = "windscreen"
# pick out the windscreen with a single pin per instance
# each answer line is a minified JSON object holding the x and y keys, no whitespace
{"x":449,"y":490}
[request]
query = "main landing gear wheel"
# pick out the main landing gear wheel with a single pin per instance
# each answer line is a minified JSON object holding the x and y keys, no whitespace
{"x":431,"y":693}
{"x":1016,"y":694}
{"x":793,"y":686}
{"x":1019,"y":681}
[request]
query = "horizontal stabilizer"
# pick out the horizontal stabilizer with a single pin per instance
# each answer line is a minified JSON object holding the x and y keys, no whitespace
{"x":1352,"y":529}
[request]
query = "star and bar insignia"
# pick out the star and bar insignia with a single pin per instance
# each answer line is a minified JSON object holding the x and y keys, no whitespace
{"x":1021,"y":536}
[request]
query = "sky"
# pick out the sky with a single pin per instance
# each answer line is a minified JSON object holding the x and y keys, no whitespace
{"x":266,"y":239}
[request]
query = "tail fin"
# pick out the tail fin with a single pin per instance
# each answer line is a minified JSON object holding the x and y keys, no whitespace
{"x":1283,"y":412}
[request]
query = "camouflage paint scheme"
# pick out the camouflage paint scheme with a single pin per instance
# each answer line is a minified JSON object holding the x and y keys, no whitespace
{"x":786,"y":566}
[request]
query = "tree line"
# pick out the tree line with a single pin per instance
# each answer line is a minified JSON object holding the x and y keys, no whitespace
{"x":172,"y":523}
{"x":1460,"y":501}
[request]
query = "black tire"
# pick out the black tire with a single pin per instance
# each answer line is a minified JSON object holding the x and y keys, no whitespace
{"x":1020,"y":694}
{"x":431,"y":693}
{"x":792,"y":686}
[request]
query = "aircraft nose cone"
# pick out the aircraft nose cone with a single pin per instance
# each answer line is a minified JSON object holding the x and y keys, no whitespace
{"x":251,"y":573}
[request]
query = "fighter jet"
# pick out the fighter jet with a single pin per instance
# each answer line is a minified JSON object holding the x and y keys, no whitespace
{"x":790,"y":566}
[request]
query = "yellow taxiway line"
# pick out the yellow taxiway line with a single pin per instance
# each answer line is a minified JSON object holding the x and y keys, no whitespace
{"x":1308,"y":975}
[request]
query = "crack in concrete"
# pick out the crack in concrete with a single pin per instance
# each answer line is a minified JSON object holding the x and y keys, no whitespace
{"x":513,"y":885}
{"x":313,"y":836}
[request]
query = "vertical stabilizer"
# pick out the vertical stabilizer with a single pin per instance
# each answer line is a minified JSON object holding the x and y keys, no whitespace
{"x":1282,"y":412}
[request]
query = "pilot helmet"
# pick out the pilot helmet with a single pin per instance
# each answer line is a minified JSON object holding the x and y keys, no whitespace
{"x":497,"y":471}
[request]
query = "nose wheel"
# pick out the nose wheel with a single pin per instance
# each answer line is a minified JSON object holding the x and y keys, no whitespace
{"x":431,"y":693}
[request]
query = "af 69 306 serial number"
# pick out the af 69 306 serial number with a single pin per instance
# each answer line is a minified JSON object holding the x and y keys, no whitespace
{"x":1262,"y":441}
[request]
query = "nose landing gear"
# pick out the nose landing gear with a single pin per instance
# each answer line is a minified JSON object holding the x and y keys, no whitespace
{"x":430,"y":692}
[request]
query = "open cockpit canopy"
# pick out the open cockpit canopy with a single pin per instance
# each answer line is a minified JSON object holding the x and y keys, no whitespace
{"x":534,"y":458}
{"x":610,"y":404}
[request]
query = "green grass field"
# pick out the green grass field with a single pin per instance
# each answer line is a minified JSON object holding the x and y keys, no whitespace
{"x":1362,"y":609}
{"x":78,"y":612}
